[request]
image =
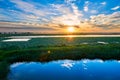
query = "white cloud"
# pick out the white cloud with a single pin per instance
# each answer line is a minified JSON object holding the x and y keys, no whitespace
{"x":16,"y":65}
{"x":67,"y":12}
{"x":103,"y":3}
{"x":4,"y":17}
{"x":32,"y":17}
{"x":70,"y":15}
{"x":61,"y":8}
{"x":107,"y":21}
{"x":86,"y":2}
{"x":69,"y":19}
{"x":94,"y":11}
{"x":116,"y":14}
{"x":76,"y":11}
{"x":25,"y":6}
{"x":33,"y":8}
{"x":68,"y":64}
{"x":70,"y":1}
{"x":115,"y":8}
{"x":86,"y":8}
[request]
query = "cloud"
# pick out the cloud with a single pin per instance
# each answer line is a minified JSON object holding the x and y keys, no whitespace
{"x":4,"y":17}
{"x":86,"y":6}
{"x":97,"y":23}
{"x":25,"y":27}
{"x":103,"y":3}
{"x":86,"y":2}
{"x":70,"y":1}
{"x":56,"y":16}
{"x":76,"y":11}
{"x":93,"y":7}
{"x":94,"y":11}
{"x":45,"y":14}
{"x":61,"y":9}
{"x":74,"y":8}
{"x":69,"y":19}
{"x":115,"y":8}
{"x":15,"y":65}
{"x":31,"y":9}
{"x":69,"y":15}
{"x":68,"y":64}
{"x":32,"y":17}
{"x":25,"y":6}
{"x":111,"y":21}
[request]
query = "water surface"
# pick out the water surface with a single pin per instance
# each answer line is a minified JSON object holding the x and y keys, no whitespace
{"x":66,"y":70}
{"x":60,"y":36}
{"x":14,"y":40}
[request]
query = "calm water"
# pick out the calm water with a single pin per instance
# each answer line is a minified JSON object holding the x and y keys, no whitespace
{"x":60,"y":36}
{"x":66,"y":70}
{"x":13,"y":40}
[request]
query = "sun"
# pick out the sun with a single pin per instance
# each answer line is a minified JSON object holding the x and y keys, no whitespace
{"x":71,"y":29}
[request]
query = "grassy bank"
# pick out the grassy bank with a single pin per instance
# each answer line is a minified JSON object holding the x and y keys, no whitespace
{"x":4,"y":70}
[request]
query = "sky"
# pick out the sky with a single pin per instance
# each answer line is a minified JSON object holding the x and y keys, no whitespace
{"x":55,"y":16}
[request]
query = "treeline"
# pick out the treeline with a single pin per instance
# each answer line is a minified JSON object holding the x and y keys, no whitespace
{"x":5,"y":34}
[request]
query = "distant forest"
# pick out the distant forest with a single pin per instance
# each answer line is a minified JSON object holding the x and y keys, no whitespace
{"x":2,"y":34}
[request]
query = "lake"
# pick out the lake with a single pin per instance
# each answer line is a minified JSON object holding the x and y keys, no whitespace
{"x":66,"y":70}
{"x":27,"y":38}
{"x":54,"y":36}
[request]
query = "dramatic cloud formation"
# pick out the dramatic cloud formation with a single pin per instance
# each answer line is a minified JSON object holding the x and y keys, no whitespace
{"x":56,"y":15}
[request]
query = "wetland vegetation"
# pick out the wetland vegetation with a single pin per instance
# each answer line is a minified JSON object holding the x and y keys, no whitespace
{"x":50,"y":49}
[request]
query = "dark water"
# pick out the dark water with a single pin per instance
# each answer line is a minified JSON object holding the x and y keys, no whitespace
{"x":66,"y":70}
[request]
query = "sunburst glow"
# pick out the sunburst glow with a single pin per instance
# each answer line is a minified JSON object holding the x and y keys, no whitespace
{"x":71,"y":29}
